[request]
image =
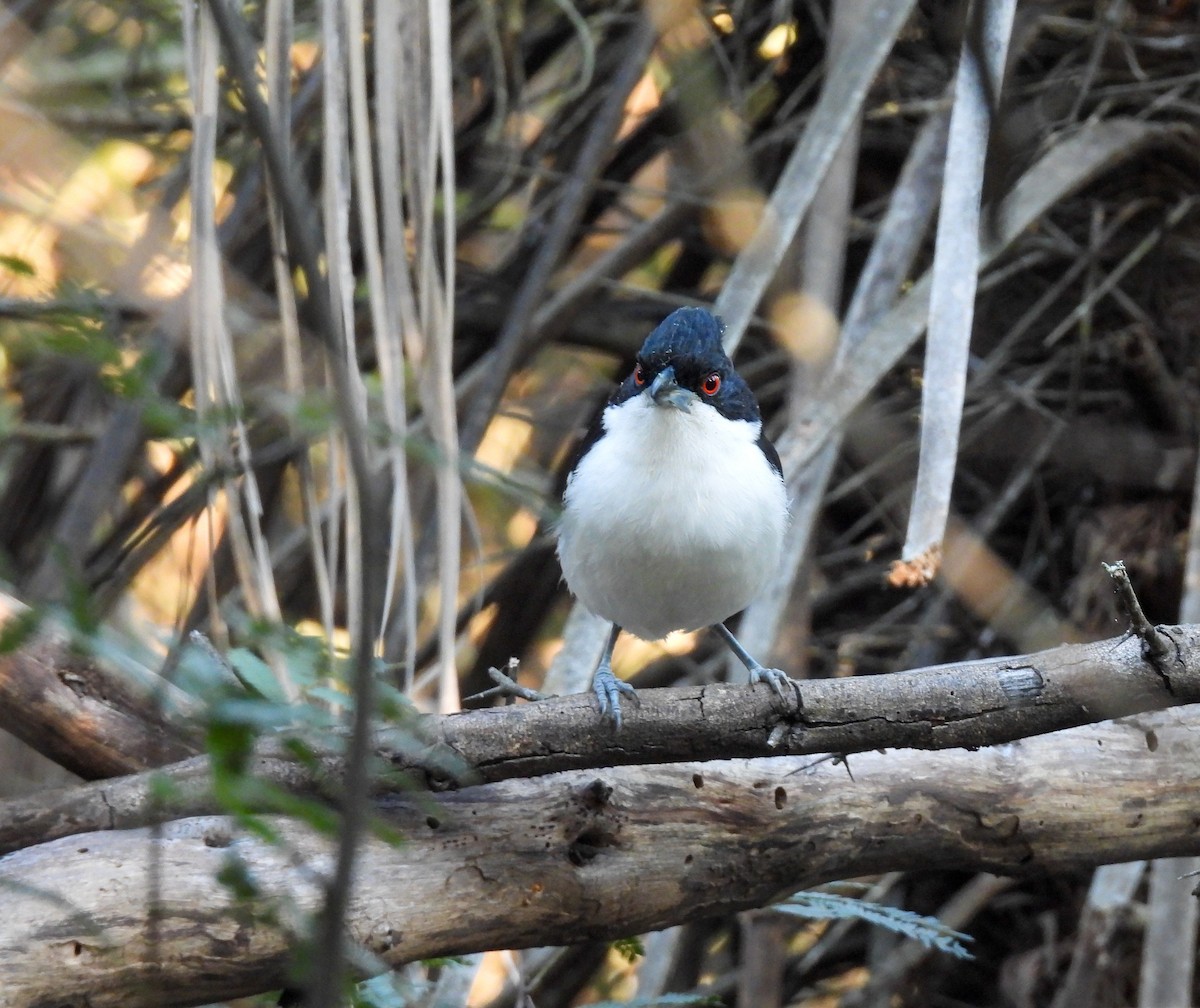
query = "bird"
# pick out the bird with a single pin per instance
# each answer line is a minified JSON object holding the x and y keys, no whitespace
{"x":674,"y":508}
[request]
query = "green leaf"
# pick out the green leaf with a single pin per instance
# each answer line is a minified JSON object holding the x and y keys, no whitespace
{"x":84,"y":619}
{"x":16,"y":631}
{"x":929,"y":931}
{"x":301,"y":752}
{"x":316,"y":814}
{"x":336,"y":698}
{"x":253,"y":713}
{"x":630,"y":948}
{"x":235,"y":876}
{"x":255,"y":674}
{"x":229,"y":746}
{"x":392,"y":703}
{"x":164,"y":418}
{"x":17,"y":265}
{"x":386,"y":833}
{"x":382,"y":991}
{"x":164,"y":790}
{"x":665,"y":1001}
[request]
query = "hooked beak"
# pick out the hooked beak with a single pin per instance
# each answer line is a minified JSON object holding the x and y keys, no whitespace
{"x":666,"y":391}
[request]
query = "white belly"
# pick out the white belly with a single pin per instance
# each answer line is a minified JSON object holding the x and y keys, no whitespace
{"x":672,"y":521}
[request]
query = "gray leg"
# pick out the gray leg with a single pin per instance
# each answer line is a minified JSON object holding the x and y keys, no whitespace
{"x":773,"y":677}
{"x":607,"y":687}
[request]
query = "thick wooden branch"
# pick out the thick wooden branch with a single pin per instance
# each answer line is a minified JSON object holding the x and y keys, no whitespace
{"x":81,"y":714}
{"x":973,"y":703}
{"x":965,"y":704}
{"x":582,"y":854}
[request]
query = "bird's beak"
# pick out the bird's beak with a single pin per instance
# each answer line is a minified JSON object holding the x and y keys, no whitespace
{"x":666,"y":391}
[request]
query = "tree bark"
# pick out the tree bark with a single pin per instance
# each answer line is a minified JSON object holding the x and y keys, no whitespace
{"x":579,"y":855}
{"x":88,"y":718}
{"x":972,"y":703}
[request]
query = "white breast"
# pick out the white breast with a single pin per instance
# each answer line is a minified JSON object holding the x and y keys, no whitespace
{"x":673,"y":520}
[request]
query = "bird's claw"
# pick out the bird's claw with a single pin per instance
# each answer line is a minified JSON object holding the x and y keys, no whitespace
{"x":608,"y":689}
{"x":777,"y":679}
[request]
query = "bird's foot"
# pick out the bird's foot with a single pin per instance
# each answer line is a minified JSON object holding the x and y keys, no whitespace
{"x":506,"y":686}
{"x":777,"y":679}
{"x":608,"y":689}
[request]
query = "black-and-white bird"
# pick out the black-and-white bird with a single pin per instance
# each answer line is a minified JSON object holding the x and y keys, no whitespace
{"x":675,"y":508}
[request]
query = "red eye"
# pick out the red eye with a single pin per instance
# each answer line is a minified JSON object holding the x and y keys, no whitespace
{"x":639,"y":376}
{"x":710,"y":384}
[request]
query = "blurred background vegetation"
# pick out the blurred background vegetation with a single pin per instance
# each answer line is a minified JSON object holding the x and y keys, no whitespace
{"x":506,"y":198}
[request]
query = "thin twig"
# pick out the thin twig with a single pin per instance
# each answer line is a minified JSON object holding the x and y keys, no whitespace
{"x":507,"y":686}
{"x":48,"y":433}
{"x":304,"y":247}
{"x":953,"y":287}
{"x":572,"y":202}
{"x":1155,"y":644}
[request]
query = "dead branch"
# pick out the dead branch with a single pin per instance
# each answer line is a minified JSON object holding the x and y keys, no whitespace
{"x":81,"y":713}
{"x":579,"y":855}
{"x":976,"y":703}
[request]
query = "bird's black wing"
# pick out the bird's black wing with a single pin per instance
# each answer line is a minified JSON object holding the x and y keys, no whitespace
{"x":768,"y":449}
{"x":594,"y":431}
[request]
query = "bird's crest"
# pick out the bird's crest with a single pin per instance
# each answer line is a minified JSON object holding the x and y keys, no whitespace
{"x":687,"y":332}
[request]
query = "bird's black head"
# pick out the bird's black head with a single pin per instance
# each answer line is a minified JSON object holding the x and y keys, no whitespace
{"x":689,"y":341}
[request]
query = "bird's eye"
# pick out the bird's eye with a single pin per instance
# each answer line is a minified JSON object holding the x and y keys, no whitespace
{"x":710,"y":384}
{"x":639,"y":375}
